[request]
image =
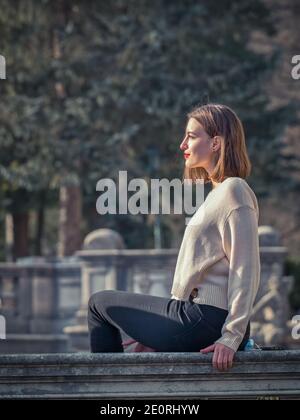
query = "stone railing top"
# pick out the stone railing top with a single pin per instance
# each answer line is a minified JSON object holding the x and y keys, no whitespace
{"x":274,"y":249}
{"x":158,"y":252}
{"x":127,"y":253}
{"x":258,"y":356}
{"x":132,"y":376}
{"x":40,"y":264}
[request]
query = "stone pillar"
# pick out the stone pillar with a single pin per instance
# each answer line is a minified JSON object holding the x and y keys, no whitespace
{"x":271,"y":308}
{"x":29,"y":292}
{"x":100,"y":271}
{"x":44,"y":300}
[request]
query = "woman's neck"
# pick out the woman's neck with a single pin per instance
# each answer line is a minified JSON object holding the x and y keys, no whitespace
{"x":216,"y":184}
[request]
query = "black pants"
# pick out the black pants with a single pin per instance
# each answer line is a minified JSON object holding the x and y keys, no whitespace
{"x":164,"y":324}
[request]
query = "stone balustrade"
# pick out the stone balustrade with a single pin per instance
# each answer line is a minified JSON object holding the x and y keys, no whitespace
{"x":37,"y":300}
{"x":44,"y":302}
{"x":133,"y":376}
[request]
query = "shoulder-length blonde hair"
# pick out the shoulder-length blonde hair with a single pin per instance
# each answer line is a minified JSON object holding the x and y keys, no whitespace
{"x":232,"y":157}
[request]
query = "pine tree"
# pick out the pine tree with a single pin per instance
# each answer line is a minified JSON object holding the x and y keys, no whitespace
{"x":128,"y":72}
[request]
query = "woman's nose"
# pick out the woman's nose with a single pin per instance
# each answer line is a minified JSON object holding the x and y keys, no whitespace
{"x":183,"y":145}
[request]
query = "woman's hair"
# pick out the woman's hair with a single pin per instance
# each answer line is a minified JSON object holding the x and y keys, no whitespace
{"x":232,"y":157}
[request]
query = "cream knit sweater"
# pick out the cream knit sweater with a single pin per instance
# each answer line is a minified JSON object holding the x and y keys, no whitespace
{"x":219,"y":255}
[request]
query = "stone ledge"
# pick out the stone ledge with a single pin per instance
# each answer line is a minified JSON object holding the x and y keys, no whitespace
{"x":30,"y":343}
{"x":149,"y":375}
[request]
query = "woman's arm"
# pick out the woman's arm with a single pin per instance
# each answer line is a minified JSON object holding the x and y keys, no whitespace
{"x":241,"y":246}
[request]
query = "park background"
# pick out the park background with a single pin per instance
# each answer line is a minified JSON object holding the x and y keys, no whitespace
{"x":95,"y":87}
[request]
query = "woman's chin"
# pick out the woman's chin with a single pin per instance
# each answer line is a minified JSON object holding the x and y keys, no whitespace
{"x":189,"y":165}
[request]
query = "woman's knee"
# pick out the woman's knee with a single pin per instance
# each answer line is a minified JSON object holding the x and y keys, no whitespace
{"x":98,"y":298}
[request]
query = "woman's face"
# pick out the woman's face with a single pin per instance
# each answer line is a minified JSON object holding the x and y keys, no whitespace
{"x":197,"y":146}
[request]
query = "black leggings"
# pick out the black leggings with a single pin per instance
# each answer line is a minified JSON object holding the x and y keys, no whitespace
{"x":164,"y":324}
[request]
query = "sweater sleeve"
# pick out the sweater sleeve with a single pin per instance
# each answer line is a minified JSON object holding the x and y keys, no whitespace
{"x":241,"y":246}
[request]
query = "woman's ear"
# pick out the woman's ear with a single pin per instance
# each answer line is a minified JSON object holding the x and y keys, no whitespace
{"x":216,"y":143}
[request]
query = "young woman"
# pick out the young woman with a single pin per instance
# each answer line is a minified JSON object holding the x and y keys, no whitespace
{"x":218,"y":267}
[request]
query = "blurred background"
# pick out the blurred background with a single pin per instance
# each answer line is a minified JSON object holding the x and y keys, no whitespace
{"x":96,"y":87}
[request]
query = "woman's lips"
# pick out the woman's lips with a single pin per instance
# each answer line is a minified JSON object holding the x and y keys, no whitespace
{"x":186,"y":156}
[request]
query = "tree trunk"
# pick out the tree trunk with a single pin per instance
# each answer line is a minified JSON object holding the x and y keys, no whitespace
{"x":70,"y":196}
{"x":21,"y":229}
{"x":69,"y":221}
{"x":40,"y":224}
{"x":9,"y":237}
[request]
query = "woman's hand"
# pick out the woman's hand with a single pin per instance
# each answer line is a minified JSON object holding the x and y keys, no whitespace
{"x":223,"y":356}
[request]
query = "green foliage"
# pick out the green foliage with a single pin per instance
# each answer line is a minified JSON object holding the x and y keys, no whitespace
{"x":97,"y":87}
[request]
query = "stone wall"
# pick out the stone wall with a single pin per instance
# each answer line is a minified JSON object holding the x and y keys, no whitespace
{"x":158,"y":376}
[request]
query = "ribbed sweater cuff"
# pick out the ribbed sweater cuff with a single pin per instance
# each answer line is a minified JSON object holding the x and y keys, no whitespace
{"x":230,"y":340}
{"x":183,"y":291}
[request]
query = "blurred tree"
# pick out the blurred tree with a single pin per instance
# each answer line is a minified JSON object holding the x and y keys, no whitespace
{"x":102,"y":83}
{"x":279,"y":209}
{"x":26,"y":150}
{"x":153,"y":64}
